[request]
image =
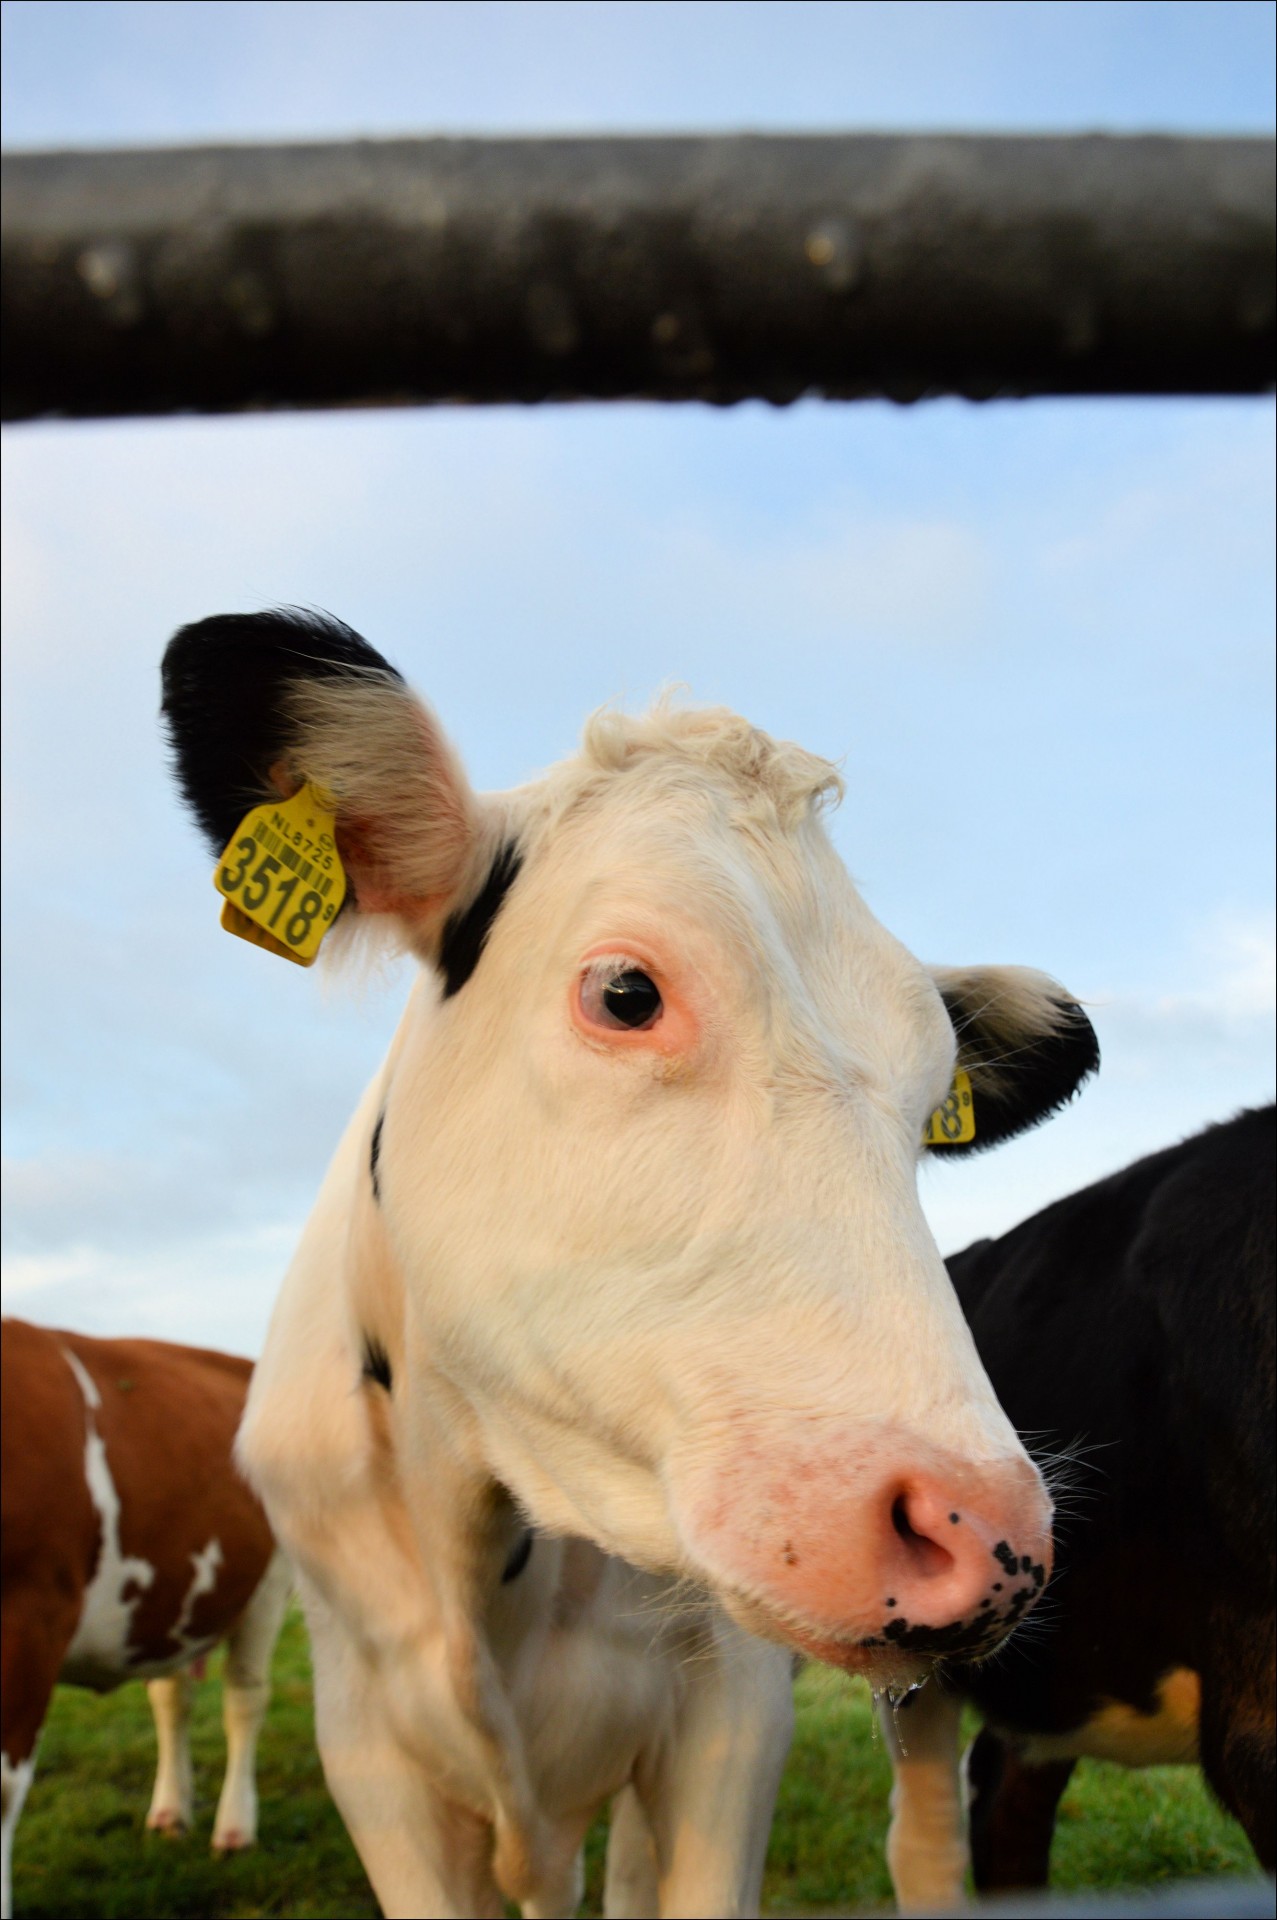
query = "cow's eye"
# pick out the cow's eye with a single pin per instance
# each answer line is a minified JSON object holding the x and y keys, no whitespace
{"x":621,"y":997}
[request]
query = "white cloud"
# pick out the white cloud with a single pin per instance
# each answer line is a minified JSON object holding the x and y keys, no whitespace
{"x":25,"y":1274}
{"x":1215,"y":1024}
{"x":1239,"y":955}
{"x":215,"y":1290}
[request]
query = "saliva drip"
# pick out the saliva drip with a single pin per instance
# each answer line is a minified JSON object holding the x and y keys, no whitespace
{"x":896,"y":1698}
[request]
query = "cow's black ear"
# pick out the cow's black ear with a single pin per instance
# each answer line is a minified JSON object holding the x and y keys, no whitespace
{"x":1025,"y":1042}
{"x":228,"y":704}
{"x":258,"y":704}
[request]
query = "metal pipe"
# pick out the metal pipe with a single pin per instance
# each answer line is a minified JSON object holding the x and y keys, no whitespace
{"x":716,"y":269}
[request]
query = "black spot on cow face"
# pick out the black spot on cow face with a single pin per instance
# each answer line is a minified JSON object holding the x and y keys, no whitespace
{"x":374,"y":1155}
{"x":518,"y":1559}
{"x":465,"y":932}
{"x":984,"y":1630}
{"x":376,"y":1363}
{"x":967,"y":1639}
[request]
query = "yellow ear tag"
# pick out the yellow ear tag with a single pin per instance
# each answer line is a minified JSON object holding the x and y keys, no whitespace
{"x":953,"y":1124}
{"x":282,"y":878}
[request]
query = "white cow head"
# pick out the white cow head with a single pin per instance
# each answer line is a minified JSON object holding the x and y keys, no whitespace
{"x":647,"y":1156}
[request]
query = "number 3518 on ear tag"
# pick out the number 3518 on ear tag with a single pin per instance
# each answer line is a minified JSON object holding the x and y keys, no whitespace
{"x":953,"y":1123}
{"x":281,"y":876}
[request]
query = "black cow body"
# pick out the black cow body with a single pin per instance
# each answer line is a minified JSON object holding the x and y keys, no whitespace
{"x":1136,"y":1318}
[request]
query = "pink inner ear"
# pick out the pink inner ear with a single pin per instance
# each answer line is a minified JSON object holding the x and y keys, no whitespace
{"x":407,"y":823}
{"x":374,"y":892}
{"x":355,"y":840}
{"x":374,"y":899}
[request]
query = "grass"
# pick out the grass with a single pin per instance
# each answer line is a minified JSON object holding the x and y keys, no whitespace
{"x":81,"y":1849}
{"x":1116,"y":1828}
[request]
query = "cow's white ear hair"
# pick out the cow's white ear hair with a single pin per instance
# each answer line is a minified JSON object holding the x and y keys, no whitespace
{"x":415,"y":839}
{"x":997,"y":1012}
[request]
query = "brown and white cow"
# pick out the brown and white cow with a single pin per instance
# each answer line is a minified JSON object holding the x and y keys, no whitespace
{"x":130,"y":1546}
{"x":616,"y":1361}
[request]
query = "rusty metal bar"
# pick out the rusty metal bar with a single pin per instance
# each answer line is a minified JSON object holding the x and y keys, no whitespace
{"x":716,"y":269}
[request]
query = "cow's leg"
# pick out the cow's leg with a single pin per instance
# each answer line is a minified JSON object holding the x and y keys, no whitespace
{"x":926,"y":1841}
{"x":1236,"y":1734}
{"x":710,"y":1795}
{"x":173,"y":1801}
{"x":561,"y":1891}
{"x":245,"y":1696}
{"x":33,"y":1639}
{"x":1012,"y":1810}
{"x":424,"y":1856}
{"x":15,"y":1779}
{"x":631,"y":1886}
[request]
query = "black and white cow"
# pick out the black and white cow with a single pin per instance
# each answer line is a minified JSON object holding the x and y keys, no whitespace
{"x":1135,"y":1318}
{"x":623,"y":1244}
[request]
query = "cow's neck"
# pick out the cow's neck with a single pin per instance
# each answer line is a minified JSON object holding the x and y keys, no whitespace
{"x":468,"y":1535}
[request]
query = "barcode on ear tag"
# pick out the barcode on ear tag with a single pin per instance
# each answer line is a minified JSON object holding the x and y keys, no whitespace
{"x":953,"y":1123}
{"x":281,"y":876}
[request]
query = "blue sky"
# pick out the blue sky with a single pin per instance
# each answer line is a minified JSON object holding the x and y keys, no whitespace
{"x":1038,"y":636}
{"x":106,"y":72}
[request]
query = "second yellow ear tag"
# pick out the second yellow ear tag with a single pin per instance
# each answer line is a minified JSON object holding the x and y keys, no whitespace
{"x":953,"y":1124}
{"x":281,"y":876}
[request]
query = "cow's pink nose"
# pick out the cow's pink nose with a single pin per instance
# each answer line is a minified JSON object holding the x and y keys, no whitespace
{"x":952,"y":1568}
{"x":895,"y":1544}
{"x":940,"y":1561}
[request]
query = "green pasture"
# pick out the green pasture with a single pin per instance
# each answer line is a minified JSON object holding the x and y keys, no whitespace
{"x":81,"y":1849}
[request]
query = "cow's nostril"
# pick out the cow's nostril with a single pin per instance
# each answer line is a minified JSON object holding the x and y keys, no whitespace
{"x":926,"y":1557}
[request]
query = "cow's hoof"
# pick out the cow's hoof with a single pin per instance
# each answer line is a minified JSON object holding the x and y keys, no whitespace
{"x":167,"y":1820}
{"x":234,"y":1840}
